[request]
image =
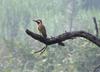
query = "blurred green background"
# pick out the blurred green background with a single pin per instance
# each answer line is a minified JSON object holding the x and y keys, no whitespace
{"x":17,"y":48}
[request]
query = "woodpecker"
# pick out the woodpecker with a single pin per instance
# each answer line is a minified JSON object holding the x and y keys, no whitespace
{"x":41,"y":28}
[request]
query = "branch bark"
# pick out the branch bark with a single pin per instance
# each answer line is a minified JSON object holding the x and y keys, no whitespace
{"x":64,"y":36}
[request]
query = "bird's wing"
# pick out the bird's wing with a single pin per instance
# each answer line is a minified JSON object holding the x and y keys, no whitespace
{"x":42,"y":30}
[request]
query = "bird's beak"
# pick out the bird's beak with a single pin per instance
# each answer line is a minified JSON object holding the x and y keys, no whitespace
{"x":34,"y":20}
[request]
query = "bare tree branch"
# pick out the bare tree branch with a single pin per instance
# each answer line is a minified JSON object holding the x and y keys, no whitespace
{"x":65,"y":36}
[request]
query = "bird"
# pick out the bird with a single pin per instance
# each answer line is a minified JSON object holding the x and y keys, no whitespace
{"x":42,"y":30}
{"x":41,"y":27}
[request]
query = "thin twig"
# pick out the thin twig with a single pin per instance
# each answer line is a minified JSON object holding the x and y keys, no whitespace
{"x":96,"y":26}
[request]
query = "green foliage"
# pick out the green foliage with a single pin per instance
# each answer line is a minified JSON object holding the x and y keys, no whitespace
{"x":17,"y":48}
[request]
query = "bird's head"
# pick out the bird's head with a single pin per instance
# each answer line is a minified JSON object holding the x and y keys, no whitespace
{"x":38,"y":21}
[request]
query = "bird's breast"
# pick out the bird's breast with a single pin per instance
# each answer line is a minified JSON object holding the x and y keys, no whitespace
{"x":40,"y":27}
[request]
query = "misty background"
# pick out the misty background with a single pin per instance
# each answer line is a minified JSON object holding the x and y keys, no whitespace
{"x":17,"y":48}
